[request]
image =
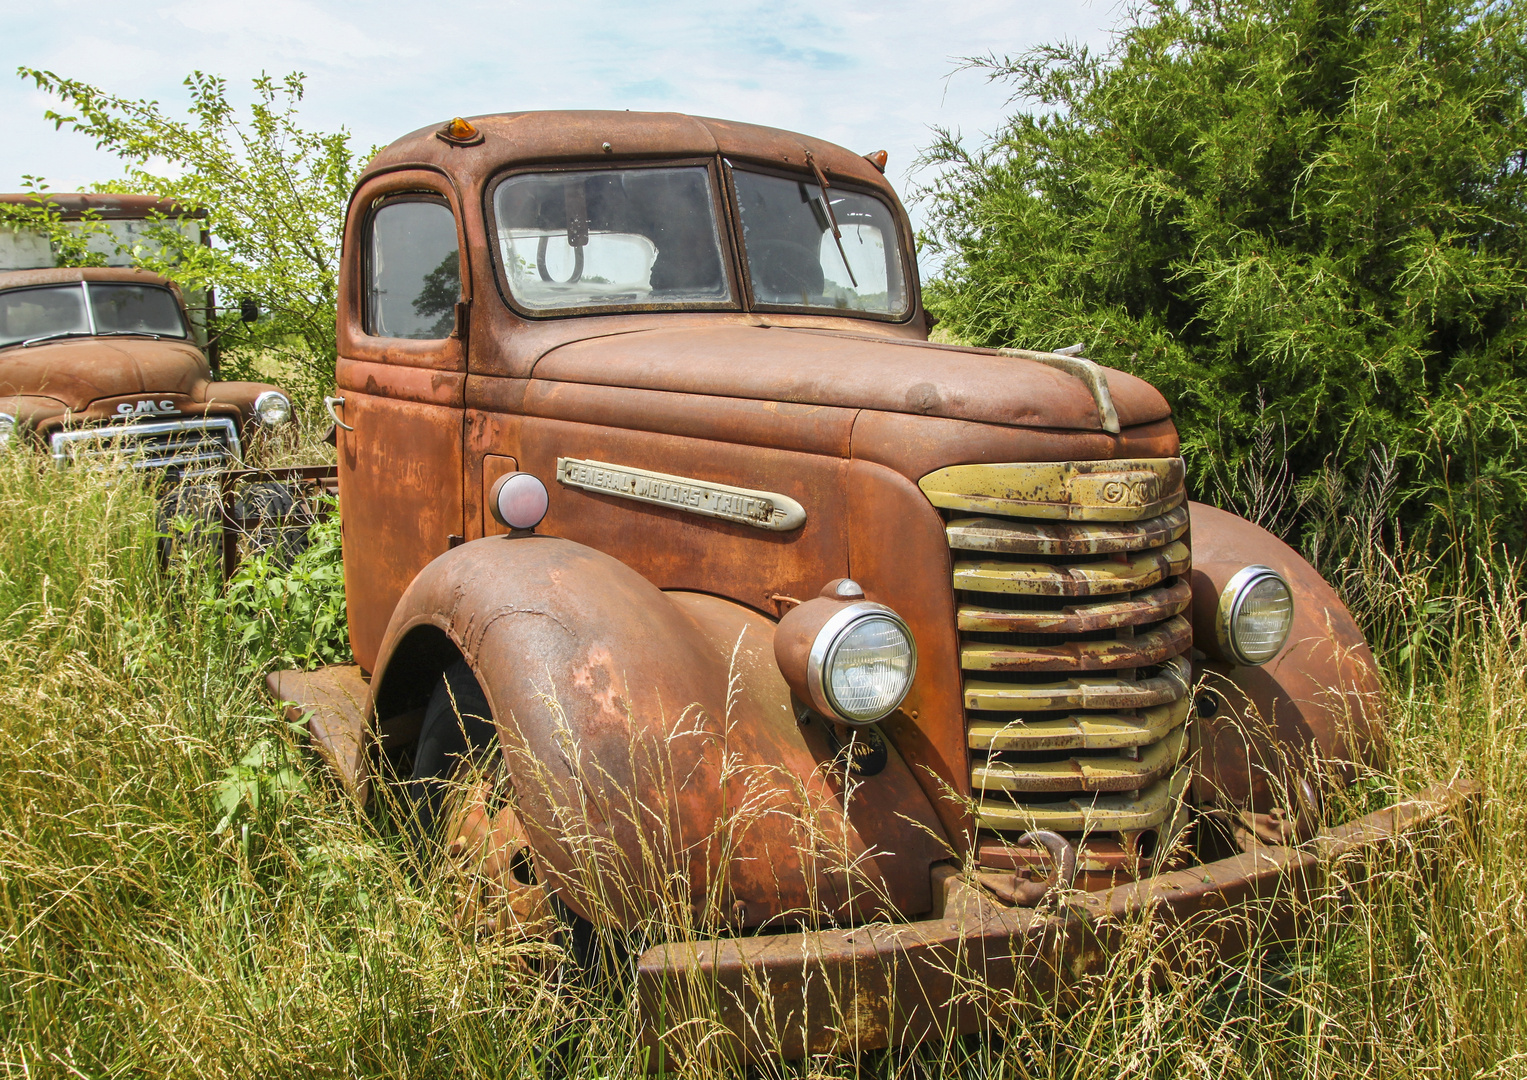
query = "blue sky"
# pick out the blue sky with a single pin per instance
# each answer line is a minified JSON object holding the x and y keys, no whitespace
{"x":868,"y":75}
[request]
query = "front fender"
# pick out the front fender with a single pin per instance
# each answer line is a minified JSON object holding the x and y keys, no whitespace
{"x":241,"y":395}
{"x":1315,"y":710}
{"x":652,"y":746}
{"x":31,"y":410}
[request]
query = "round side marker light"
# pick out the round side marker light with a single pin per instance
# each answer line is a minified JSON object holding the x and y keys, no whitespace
{"x":518,"y":500}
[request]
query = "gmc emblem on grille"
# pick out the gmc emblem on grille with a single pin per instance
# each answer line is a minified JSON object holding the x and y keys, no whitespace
{"x":148,"y":407}
{"x":1131,"y":492}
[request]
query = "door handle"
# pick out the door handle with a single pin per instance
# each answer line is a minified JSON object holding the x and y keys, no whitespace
{"x":331,"y":403}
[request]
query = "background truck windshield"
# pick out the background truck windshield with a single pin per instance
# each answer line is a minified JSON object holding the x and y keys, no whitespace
{"x":795,"y":261}
{"x":612,"y":238}
{"x":134,"y":309}
{"x":88,"y":308}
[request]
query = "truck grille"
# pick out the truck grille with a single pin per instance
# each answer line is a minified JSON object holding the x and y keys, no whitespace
{"x":190,"y":447}
{"x":1071,"y":592}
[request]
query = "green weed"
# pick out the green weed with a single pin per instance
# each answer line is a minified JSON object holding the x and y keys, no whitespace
{"x":285,"y":611}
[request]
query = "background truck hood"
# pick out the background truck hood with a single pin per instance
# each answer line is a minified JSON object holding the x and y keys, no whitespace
{"x":849,"y":370}
{"x":78,"y":371}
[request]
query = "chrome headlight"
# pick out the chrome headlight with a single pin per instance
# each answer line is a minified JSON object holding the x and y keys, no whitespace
{"x":7,"y":428}
{"x":861,"y":663}
{"x":273,"y":408}
{"x":1256,"y":613}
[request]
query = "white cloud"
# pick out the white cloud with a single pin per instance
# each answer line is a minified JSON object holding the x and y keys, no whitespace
{"x":288,"y":30}
{"x":871,"y":75}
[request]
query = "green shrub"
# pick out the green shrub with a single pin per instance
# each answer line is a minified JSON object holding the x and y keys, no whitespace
{"x":274,"y":194}
{"x":1312,"y":209}
{"x":289,"y":612}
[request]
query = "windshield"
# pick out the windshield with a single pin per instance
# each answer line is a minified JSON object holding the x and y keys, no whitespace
{"x":120,"y":308}
{"x":794,"y":260}
{"x":29,"y":313}
{"x":113,"y":308}
{"x":611,"y":238}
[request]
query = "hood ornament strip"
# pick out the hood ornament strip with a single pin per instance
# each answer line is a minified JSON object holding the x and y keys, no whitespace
{"x":760,"y":509}
{"x":1090,"y":373}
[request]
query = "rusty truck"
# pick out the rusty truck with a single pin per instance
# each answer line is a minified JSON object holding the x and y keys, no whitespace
{"x":111,"y":362}
{"x":889,"y":670}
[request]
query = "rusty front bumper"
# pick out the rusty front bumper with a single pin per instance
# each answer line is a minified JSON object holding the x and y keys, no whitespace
{"x":791,"y":995}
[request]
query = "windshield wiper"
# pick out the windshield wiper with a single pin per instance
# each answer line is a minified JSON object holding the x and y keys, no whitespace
{"x":87,"y":333}
{"x":832,"y":219}
{"x":55,"y":337}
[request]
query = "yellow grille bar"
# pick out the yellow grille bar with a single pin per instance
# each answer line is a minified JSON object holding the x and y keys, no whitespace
{"x":1154,"y":605}
{"x":1081,"y":579}
{"x":1146,"y":809}
{"x":1170,"y":638}
{"x":1006,"y":536}
{"x":1079,"y":731}
{"x":1113,"y":773}
{"x":1061,"y":491}
{"x":1082,"y":691}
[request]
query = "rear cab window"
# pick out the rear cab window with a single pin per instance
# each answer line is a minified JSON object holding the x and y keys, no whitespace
{"x":413,"y":269}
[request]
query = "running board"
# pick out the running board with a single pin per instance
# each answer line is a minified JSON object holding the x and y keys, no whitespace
{"x":332,"y":702}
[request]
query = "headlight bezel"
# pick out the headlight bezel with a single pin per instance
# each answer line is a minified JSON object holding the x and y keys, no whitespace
{"x":824,"y":649}
{"x":268,"y":397}
{"x":1232,"y":601}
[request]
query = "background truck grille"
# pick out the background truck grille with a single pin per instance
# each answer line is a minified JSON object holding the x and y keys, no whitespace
{"x":1072,"y":598}
{"x":190,"y":447}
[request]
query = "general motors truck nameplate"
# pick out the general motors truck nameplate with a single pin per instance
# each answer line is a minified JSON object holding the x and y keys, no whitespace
{"x":761,"y":509}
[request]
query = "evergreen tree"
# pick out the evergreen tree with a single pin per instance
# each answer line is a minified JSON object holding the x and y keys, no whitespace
{"x":1312,"y":204}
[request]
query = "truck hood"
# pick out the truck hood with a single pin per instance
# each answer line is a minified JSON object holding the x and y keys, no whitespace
{"x":849,"y":370}
{"x":79,"y":371}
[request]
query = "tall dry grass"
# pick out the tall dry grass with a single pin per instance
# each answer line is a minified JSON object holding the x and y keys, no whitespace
{"x":183,"y":893}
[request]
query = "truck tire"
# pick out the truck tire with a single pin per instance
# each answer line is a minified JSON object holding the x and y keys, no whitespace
{"x":191,"y":506}
{"x":457,"y":730}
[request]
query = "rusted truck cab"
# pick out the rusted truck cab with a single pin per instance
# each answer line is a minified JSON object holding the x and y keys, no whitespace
{"x":100,"y":365}
{"x":786,"y":618}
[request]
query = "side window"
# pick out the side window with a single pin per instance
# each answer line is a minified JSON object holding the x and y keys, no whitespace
{"x":413,"y":270}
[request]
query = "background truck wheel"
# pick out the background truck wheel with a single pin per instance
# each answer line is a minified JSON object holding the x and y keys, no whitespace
{"x":187,"y":514}
{"x":277,"y":517}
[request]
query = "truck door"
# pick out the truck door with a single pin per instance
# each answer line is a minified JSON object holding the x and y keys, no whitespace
{"x":401,"y":378}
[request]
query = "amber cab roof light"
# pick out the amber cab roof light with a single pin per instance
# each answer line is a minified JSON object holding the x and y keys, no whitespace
{"x":459,"y":132}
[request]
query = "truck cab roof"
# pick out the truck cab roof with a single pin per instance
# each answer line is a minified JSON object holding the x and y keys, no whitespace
{"x":61,"y":275}
{"x":597,"y":135}
{"x":105,"y":206}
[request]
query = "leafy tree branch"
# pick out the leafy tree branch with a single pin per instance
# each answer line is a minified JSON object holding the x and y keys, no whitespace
{"x":275,"y":195}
